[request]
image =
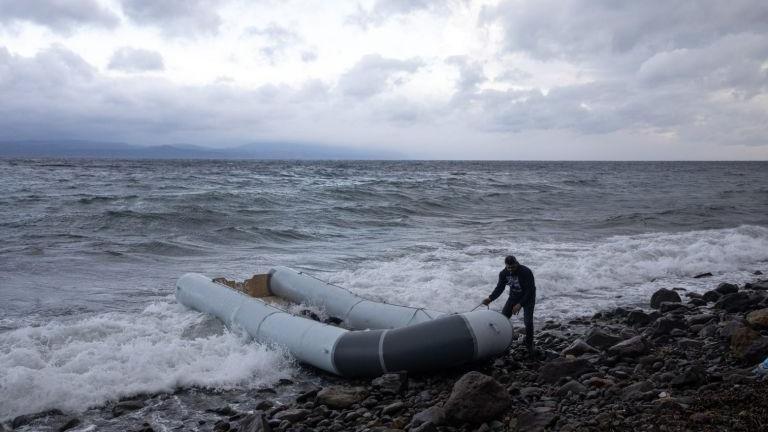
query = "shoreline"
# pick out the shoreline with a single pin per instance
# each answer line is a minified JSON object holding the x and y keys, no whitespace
{"x":685,"y":364}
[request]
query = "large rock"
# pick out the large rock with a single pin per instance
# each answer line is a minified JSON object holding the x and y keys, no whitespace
{"x":552,"y":371}
{"x":477,"y":398}
{"x":667,"y":307}
{"x":633,"y":347}
{"x":700,"y":319}
{"x":392,"y":383}
{"x":637,"y":318}
{"x":579,"y":347}
{"x":711,"y":296}
{"x":727,"y":288}
{"x":735,"y":302}
{"x":758,"y":319}
{"x":292,"y":415}
{"x":574,"y":387}
{"x":535,"y":421}
{"x":694,"y":376}
{"x":664,"y":295}
{"x":748,"y":345}
{"x":433,"y":415}
{"x":759,"y":285}
{"x":598,"y":338}
{"x":729,"y":328}
{"x":665,"y":325}
{"x":340,"y":397}
{"x":637,"y":390}
{"x":254,"y":423}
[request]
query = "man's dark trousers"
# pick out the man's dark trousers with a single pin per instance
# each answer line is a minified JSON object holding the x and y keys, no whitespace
{"x":527,"y":320}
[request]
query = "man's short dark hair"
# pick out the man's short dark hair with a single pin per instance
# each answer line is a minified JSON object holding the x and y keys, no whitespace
{"x":510,"y":260}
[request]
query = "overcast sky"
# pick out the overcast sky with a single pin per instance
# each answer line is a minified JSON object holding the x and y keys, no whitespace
{"x":525,"y":79}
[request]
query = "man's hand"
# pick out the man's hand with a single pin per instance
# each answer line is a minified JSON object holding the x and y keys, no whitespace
{"x":486,"y":302}
{"x":516,"y":309}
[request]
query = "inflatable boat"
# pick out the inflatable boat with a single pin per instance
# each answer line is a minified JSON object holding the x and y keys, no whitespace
{"x":376,"y":337}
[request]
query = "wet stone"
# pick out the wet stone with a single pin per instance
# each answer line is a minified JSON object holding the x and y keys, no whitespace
{"x":601,"y":339}
{"x":551,"y":372}
{"x":664,"y":295}
{"x":292,"y":415}
{"x":477,"y":397}
{"x":123,"y":407}
{"x":726,"y":288}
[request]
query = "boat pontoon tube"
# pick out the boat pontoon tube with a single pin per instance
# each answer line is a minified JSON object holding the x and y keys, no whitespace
{"x":446,"y":341}
{"x":356,"y":312}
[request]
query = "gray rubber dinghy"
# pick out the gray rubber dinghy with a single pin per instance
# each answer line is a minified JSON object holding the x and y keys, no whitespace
{"x":377,"y":337}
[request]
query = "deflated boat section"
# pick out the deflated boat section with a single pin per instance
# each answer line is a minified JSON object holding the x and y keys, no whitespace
{"x":445,"y":341}
{"x":357,"y":312}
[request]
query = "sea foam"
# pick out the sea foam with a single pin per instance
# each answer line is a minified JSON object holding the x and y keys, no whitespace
{"x":572,"y":278}
{"x":86,"y":362}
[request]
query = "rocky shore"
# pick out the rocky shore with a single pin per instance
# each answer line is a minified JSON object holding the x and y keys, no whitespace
{"x":685,"y":362}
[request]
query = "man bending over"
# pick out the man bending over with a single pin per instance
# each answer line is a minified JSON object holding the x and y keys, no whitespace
{"x":522,"y":294}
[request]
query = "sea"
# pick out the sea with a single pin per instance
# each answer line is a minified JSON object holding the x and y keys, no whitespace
{"x":91,"y":250}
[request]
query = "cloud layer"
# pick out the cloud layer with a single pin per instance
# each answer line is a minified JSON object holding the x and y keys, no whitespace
{"x":426,"y":77}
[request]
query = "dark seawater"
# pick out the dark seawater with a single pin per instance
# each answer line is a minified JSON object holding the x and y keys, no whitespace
{"x":91,"y":250}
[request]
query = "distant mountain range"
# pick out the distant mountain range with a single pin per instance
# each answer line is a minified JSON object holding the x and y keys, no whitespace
{"x":92,"y":149}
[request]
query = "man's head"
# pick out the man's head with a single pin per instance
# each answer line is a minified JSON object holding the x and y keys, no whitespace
{"x":511,"y":263}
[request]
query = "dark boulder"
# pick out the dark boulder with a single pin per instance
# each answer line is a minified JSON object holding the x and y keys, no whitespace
{"x":392,"y":383}
{"x":748,"y":345}
{"x":535,"y":421}
{"x":667,"y":307}
{"x":293,"y":415}
{"x":637,"y":390}
{"x":703,"y":275}
{"x":579,"y":347}
{"x":700,"y":319}
{"x":727,"y":288}
{"x":68,"y":424}
{"x":664,"y":325}
{"x":758,"y":319}
{"x":477,"y":398}
{"x":694,"y":377}
{"x":735,"y":302}
{"x":340,"y":397}
{"x":573,"y":387}
{"x":757,"y":286}
{"x":711,"y":296}
{"x":434,"y":415}
{"x":633,"y":347}
{"x":552,"y":371}
{"x":637,"y":318}
{"x":254,"y":423}
{"x":598,"y":338}
{"x":664,"y":295}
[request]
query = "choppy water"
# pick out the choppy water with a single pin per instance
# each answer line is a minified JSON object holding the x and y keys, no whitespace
{"x":91,"y":250}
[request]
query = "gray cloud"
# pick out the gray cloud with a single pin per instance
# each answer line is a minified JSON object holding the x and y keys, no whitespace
{"x":129,"y":59}
{"x":59,"y":16}
{"x":689,"y":69}
{"x":382,"y":10}
{"x":588,"y":30}
{"x":470,"y":73}
{"x":179,"y":18}
{"x":278,"y":40}
{"x":373,"y":74}
{"x":56,"y":94}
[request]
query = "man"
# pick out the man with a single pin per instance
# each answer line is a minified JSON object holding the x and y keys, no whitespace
{"x":522,"y":294}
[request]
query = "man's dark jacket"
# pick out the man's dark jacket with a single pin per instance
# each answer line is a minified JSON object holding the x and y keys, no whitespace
{"x":526,"y":295}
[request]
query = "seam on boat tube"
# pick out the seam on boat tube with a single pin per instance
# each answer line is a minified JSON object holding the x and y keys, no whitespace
{"x":346,"y":317}
{"x":258,"y":328}
{"x":381,"y":351}
{"x":475,"y":342}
